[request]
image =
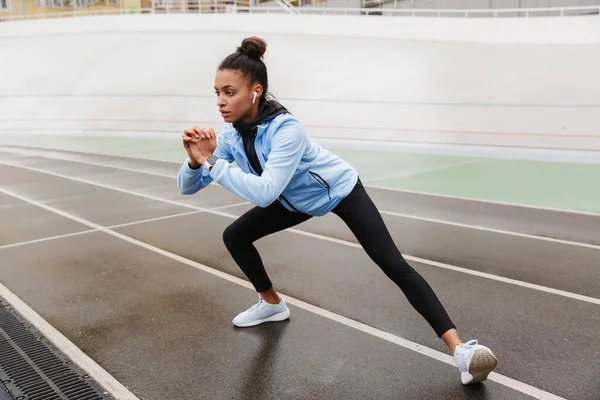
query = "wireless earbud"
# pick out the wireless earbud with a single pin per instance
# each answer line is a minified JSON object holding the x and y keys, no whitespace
{"x":254,"y":99}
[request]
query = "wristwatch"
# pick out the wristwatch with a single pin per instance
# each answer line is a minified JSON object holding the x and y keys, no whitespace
{"x":210,"y":162}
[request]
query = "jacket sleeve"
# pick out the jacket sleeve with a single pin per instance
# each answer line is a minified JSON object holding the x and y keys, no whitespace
{"x":287,"y":148}
{"x":190,"y":181}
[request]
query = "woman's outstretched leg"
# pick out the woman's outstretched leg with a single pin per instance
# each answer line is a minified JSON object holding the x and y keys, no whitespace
{"x":357,"y":210}
{"x":364,"y":220}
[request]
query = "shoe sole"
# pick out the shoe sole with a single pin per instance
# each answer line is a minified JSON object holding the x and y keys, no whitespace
{"x":482,"y":363}
{"x":282,"y":316}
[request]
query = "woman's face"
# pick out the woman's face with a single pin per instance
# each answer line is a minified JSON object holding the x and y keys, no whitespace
{"x":234,"y":96}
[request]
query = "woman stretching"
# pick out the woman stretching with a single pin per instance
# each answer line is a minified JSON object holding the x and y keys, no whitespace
{"x":290,"y":179}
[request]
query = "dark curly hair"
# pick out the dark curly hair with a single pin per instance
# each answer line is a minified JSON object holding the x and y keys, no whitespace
{"x":248,"y":60}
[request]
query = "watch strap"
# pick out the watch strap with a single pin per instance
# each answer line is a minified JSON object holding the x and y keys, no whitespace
{"x":210,"y":162}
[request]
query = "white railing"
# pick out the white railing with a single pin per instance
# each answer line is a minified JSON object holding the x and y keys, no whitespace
{"x":245,"y":6}
{"x":200,"y":6}
{"x":463,"y":13}
{"x":289,"y":7}
{"x":379,"y":6}
{"x":78,"y":13}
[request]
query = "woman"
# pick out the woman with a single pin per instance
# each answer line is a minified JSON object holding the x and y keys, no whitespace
{"x":291,"y":179}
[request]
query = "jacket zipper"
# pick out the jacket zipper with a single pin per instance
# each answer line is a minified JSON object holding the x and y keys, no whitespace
{"x":290,"y":204}
{"x":252,"y":169}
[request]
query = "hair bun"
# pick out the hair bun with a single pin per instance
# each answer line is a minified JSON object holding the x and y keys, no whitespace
{"x":253,"y":47}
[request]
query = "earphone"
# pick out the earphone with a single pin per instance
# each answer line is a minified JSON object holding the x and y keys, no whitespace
{"x":254,"y":99}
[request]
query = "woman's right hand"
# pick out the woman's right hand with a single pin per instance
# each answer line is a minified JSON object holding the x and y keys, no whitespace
{"x":199,"y":152}
{"x":190,"y":136}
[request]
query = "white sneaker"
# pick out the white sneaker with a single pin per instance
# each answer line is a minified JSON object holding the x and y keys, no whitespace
{"x":262,"y":312}
{"x":474,"y":361}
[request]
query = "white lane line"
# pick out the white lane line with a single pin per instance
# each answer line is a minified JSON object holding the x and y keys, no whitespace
{"x":6,"y":246}
{"x":75,"y":158}
{"x":494,"y":376}
{"x":495,"y":202}
{"x":493,"y":230}
{"x":422,"y":171}
{"x":563,"y":293}
{"x":197,"y":211}
{"x":110,"y":384}
{"x":144,"y":221}
{"x":437,"y":355}
{"x":172,"y":202}
{"x":175,"y":215}
{"x":415,"y":217}
{"x":515,"y":282}
{"x":241,"y":203}
{"x":497,"y":278}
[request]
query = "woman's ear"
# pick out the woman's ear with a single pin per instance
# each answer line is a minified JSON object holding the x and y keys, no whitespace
{"x":259,"y":90}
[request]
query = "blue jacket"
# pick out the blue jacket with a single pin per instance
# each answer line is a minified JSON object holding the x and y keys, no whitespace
{"x":299,"y":173}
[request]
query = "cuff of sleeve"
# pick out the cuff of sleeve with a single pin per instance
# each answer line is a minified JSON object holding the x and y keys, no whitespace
{"x":189,"y":169}
{"x":219,"y":164}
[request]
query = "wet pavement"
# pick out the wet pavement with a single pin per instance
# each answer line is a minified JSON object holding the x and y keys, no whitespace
{"x":163,"y":328}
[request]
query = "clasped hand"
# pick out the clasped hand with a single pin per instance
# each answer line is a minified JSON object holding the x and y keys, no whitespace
{"x":199,"y":143}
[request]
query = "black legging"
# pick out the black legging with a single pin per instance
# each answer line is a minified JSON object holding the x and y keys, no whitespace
{"x":364,"y":220}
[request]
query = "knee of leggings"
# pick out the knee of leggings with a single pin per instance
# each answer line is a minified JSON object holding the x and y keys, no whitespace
{"x":397,"y":265}
{"x":230,"y":236}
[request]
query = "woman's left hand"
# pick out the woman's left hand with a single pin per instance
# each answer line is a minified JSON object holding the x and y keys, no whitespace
{"x":204,"y":145}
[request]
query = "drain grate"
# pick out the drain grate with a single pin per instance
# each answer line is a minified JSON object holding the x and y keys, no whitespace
{"x":31,"y":369}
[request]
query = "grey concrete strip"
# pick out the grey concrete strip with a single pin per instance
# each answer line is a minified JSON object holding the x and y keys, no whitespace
{"x":10,"y":156}
{"x":4,"y":395}
{"x":23,"y":222}
{"x":164,"y":330}
{"x":511,"y":320}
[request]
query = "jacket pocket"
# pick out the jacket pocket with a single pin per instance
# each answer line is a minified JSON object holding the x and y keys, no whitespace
{"x":321,"y":182}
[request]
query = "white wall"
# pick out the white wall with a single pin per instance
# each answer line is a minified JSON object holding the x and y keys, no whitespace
{"x":529,"y":83}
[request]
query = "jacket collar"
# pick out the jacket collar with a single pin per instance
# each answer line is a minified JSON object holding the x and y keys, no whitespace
{"x":267,"y":111}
